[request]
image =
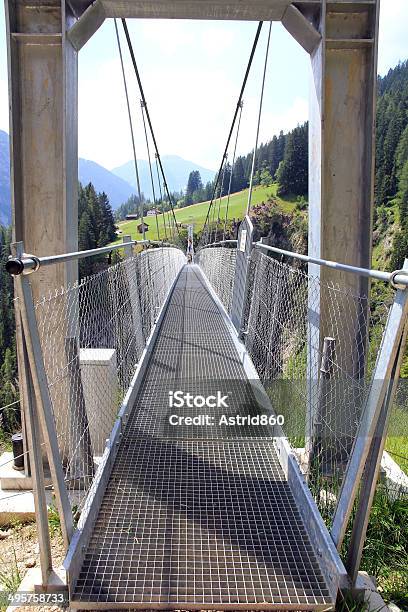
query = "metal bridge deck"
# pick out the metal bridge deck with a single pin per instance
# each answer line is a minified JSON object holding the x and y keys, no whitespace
{"x":197,"y":517}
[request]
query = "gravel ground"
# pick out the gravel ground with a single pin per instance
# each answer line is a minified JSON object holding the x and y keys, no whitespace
{"x":19,"y":551}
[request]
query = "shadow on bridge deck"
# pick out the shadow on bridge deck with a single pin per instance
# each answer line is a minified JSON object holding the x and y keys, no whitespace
{"x":198,"y":517}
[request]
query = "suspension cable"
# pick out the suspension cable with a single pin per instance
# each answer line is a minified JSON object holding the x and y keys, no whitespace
{"x":131,"y":129}
{"x":251,"y":57}
{"x":132,"y":55}
{"x":150,"y":167}
{"x":219,"y":201}
{"x":251,"y":182}
{"x":161,"y":199}
{"x":232,"y":170}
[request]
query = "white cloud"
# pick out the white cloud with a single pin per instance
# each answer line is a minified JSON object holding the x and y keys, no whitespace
{"x":167,"y":36}
{"x":191,"y":97}
{"x":215,"y":40}
{"x":193,"y":125}
{"x":393,"y":42}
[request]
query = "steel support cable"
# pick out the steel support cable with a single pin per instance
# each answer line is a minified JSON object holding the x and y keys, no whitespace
{"x":251,"y":57}
{"x":133,"y":58}
{"x":251,"y":182}
{"x":150,"y":167}
{"x":161,"y":199}
{"x":139,"y":192}
{"x":211,"y":223}
{"x":220,"y":198}
{"x":232,"y":170}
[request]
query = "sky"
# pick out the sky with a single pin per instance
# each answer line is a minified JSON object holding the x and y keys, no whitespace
{"x":192,"y":73}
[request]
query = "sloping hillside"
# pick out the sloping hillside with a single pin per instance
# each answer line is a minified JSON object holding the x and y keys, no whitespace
{"x":197,"y":213}
{"x":117,"y":190}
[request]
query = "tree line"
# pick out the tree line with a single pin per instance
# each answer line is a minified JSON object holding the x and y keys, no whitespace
{"x":283,"y":159}
{"x":9,"y":417}
{"x":96,"y":224}
{"x":391,"y":188}
{"x":96,"y":228}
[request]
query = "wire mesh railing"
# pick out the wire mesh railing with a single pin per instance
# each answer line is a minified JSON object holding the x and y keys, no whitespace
{"x":218,"y":264}
{"x":92,"y":337}
{"x":317,"y":373}
{"x":314,"y":344}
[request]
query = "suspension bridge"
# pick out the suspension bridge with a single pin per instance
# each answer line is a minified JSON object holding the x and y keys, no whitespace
{"x":216,"y":412}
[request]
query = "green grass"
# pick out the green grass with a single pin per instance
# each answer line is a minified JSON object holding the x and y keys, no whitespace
{"x":386,"y":546}
{"x":397,"y":438}
{"x":10,"y":579}
{"x":197,"y":212}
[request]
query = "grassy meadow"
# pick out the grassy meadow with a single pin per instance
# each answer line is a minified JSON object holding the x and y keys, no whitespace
{"x":196,"y":213}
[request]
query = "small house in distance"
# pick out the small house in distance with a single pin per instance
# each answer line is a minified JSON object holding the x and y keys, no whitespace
{"x":135,"y":217}
{"x":140,"y":228}
{"x":153,"y":212}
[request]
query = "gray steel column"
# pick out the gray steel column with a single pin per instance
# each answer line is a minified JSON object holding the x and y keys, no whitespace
{"x":42,"y":68}
{"x":341,"y":165}
{"x":43,"y":130}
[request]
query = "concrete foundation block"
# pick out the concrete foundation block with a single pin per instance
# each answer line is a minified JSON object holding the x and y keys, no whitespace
{"x":100,"y":387}
{"x":14,"y":480}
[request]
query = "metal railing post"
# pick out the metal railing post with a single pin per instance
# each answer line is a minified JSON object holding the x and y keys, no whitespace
{"x":315,"y":444}
{"x":37,"y":475}
{"x":24,"y":391}
{"x":384,"y":370}
{"x":244,"y":250}
{"x":134,"y":289}
{"x":43,"y":403}
{"x":372,"y":470}
{"x":32,"y":434}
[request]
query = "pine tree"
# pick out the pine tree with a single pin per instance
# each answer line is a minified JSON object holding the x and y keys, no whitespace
{"x":107,"y":231}
{"x":292,"y":173}
{"x":281,"y":146}
{"x":226,"y":176}
{"x":8,"y":362}
{"x":239,"y":181}
{"x":274,"y":158}
{"x":94,"y":212}
{"x":10,"y":415}
{"x":194,"y":183}
{"x":392,"y":121}
{"x":86,"y":241}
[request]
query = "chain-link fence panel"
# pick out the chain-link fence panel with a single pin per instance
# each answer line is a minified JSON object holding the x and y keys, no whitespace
{"x":218,"y":265}
{"x":92,"y":337}
{"x":314,"y":345}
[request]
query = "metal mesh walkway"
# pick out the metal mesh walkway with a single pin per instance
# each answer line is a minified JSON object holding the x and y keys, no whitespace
{"x":197,"y":517}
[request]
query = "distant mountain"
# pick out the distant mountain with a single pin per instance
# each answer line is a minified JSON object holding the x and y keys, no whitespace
{"x":117,"y":189}
{"x":176,"y":168}
{"x":119,"y":184}
{"x":5,"y":200}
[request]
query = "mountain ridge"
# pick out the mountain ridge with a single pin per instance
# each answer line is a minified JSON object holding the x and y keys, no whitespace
{"x":176,"y":168}
{"x":117,"y":188}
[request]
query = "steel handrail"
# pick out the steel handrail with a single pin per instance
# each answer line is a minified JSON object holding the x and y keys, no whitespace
{"x":31,"y":263}
{"x":398,"y":278}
